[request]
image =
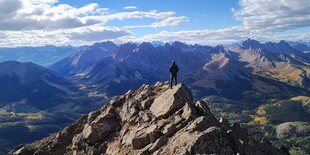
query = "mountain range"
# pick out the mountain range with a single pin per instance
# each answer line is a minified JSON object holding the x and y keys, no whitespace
{"x":241,"y":81}
{"x":236,"y":80}
{"x":41,"y":55}
{"x":212,"y":69}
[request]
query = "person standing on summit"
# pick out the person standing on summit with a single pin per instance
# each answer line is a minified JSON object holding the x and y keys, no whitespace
{"x":173,"y":73}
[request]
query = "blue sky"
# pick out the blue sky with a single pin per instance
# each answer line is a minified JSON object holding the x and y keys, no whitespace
{"x":210,"y":22}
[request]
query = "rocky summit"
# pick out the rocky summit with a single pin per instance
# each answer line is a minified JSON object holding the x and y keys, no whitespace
{"x":151,"y":120}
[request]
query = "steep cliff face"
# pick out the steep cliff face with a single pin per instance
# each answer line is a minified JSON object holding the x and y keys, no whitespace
{"x":151,"y":120}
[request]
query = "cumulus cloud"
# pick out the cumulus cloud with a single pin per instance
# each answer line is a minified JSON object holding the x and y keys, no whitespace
{"x":39,"y":22}
{"x":9,"y":8}
{"x":171,"y":22}
{"x":3,"y":35}
{"x":44,"y":15}
{"x":167,"y":22}
{"x":129,"y":7}
{"x":30,"y":38}
{"x":77,"y":36}
{"x":97,"y":34}
{"x":215,"y":37}
{"x":16,"y":15}
{"x":153,"y":14}
{"x":273,"y":15}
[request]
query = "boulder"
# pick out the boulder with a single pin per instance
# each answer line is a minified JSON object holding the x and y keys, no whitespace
{"x":169,"y":130}
{"x":97,"y":132}
{"x":161,"y":141}
{"x":170,"y":101}
{"x":145,"y":136}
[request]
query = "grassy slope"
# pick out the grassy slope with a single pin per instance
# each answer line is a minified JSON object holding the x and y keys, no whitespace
{"x":263,"y":120}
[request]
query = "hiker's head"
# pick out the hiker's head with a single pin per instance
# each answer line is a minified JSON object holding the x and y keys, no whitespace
{"x":173,"y":62}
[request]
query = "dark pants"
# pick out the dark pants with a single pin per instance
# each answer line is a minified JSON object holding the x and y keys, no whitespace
{"x":171,"y":80}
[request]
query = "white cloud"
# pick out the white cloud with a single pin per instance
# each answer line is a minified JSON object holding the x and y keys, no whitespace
{"x":44,"y":15}
{"x":97,"y":33}
{"x":16,"y":15}
{"x":40,"y":22}
{"x":77,"y":36}
{"x":273,"y":15}
{"x":129,"y":7}
{"x":9,"y":8}
{"x":171,"y":22}
{"x":153,"y":14}
{"x":3,"y":35}
{"x":167,"y":22}
{"x":215,"y":37}
{"x":31,"y":38}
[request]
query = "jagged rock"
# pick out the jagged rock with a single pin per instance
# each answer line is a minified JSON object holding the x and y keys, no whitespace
{"x":116,"y":102}
{"x":169,"y":130}
{"x":90,"y":134}
{"x":170,"y":101}
{"x":145,"y":136}
{"x":22,"y":151}
{"x":92,"y":116}
{"x":108,"y":113}
{"x":76,"y":141}
{"x":97,"y":132}
{"x":145,"y":104}
{"x":161,"y":141}
{"x":152,"y":120}
{"x":140,"y":140}
{"x":225,"y":123}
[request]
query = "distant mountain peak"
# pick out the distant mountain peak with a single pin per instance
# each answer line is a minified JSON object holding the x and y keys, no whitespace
{"x":158,"y":43}
{"x":146,"y":45}
{"x":250,"y":43}
{"x":81,"y":61}
{"x":178,"y":43}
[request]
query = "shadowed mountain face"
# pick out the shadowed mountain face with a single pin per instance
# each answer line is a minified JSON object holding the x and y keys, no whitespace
{"x":80,"y":62}
{"x":151,"y":120}
{"x":32,"y":85}
{"x":35,"y":102}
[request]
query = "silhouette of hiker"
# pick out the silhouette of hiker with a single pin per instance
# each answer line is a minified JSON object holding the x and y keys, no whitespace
{"x":173,"y":73}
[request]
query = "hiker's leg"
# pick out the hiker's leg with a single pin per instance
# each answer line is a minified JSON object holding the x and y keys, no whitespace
{"x":175,"y":80}
{"x":171,"y":80}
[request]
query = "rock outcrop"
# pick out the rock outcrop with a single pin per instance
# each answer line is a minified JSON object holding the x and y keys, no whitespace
{"x":152,"y":120}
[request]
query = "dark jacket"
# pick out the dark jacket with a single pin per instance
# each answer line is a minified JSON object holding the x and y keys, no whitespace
{"x":174,"y":69}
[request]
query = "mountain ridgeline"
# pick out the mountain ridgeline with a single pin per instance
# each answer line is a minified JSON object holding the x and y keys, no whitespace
{"x":250,"y":65}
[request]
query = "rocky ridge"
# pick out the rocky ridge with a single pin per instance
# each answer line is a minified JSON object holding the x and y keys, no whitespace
{"x":151,"y":120}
